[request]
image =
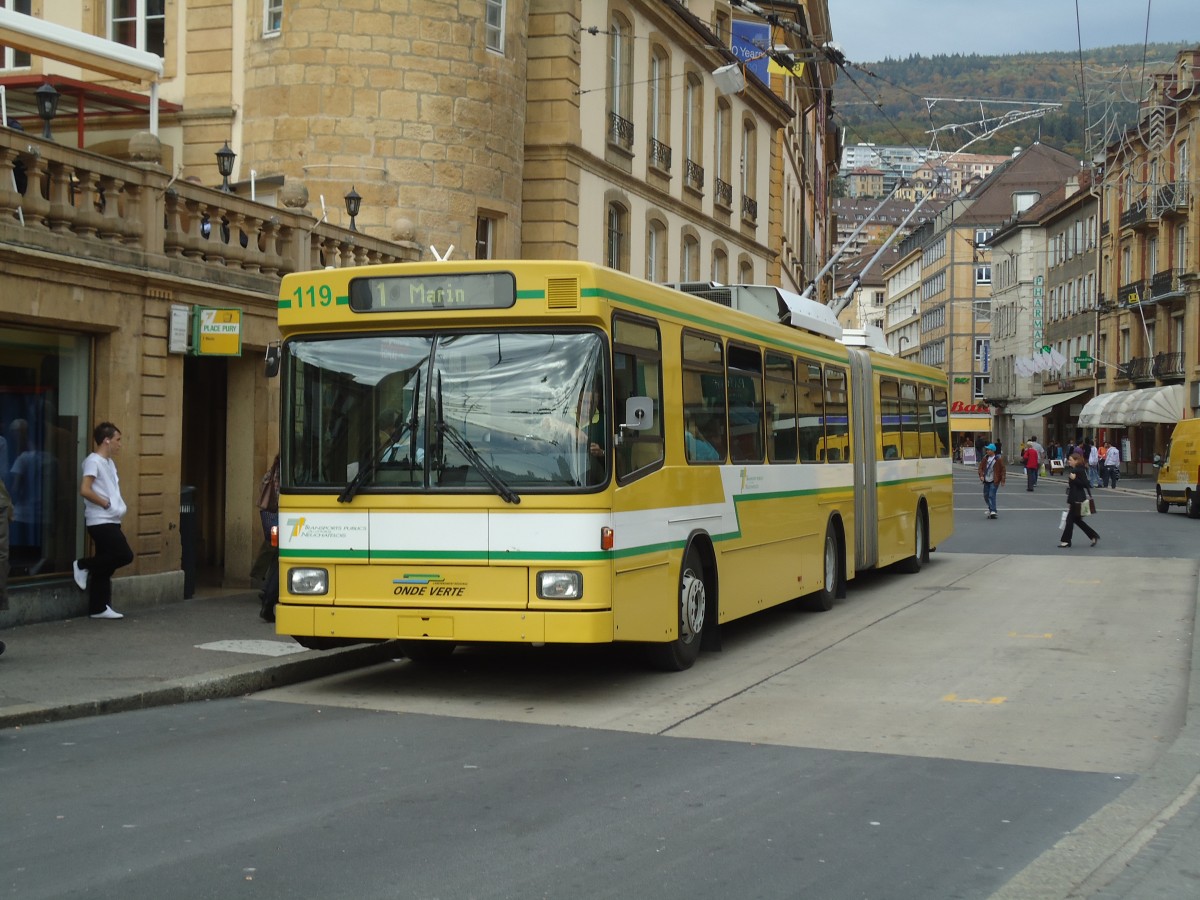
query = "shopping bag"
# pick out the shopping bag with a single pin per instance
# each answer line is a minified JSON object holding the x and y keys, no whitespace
{"x":1091,"y":507}
{"x":1085,"y":509}
{"x":1062,"y":521}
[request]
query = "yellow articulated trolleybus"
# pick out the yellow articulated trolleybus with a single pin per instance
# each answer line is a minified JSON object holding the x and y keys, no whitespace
{"x":557,"y":453}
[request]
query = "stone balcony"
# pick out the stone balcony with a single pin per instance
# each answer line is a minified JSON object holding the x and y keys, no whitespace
{"x":63,"y":200}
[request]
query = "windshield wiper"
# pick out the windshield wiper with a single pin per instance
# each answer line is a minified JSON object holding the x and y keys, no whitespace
{"x":365,"y":469}
{"x":463,"y":446}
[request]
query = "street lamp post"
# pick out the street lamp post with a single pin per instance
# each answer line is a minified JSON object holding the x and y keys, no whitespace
{"x":47,"y":105}
{"x":225,"y":158}
{"x":353,"y":204}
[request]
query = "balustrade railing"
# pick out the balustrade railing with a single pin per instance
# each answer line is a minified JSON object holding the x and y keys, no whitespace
{"x":77,"y":203}
{"x":723,"y":194}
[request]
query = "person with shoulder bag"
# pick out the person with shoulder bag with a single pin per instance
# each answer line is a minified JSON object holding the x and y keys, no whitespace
{"x":268,"y":513}
{"x":1079,"y":492}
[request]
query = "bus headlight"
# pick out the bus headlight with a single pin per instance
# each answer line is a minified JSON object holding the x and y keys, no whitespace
{"x":308,"y":581}
{"x":559,"y":585}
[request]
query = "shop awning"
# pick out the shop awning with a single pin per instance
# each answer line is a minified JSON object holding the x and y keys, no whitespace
{"x":1146,"y":406}
{"x":77,"y":48}
{"x":1039,"y":405}
{"x":970,"y":422}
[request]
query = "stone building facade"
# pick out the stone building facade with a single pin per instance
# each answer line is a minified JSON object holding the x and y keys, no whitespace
{"x":501,"y":129}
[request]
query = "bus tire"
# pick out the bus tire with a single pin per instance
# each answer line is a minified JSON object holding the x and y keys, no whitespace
{"x":681,"y":653}
{"x":1159,"y":503}
{"x":912,"y":565}
{"x":1192,"y":505}
{"x":831,"y":569}
{"x":427,"y":652}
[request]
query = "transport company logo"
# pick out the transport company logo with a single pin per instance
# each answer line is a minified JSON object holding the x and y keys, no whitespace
{"x":303,"y":528}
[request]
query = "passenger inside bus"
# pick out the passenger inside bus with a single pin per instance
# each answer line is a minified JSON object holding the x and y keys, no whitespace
{"x":696,"y":446}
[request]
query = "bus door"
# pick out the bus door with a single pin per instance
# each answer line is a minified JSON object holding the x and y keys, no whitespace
{"x":862,"y":423}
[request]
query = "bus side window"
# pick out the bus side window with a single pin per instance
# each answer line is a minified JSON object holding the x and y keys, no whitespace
{"x":889,"y":419}
{"x":703,"y":373}
{"x":781,"y":409}
{"x":810,"y":411}
{"x":637,"y":372}
{"x":744,"y":380}
{"x":910,"y":437}
{"x":837,"y":412}
{"x":941,"y":421}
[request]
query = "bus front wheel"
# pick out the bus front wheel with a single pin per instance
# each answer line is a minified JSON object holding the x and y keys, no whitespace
{"x":681,"y":653}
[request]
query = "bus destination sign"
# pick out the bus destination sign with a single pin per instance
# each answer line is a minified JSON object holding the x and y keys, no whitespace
{"x":425,"y":293}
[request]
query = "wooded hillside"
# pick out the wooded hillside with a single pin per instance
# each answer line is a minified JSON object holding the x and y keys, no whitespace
{"x":882,"y":102}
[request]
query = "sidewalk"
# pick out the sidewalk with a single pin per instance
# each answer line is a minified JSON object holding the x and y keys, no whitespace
{"x":211,"y":646}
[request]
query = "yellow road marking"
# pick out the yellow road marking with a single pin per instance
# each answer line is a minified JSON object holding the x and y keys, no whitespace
{"x":954,"y":698}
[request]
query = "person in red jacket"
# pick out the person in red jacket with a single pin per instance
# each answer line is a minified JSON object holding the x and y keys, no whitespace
{"x":991,"y":476}
{"x":1032,"y":459}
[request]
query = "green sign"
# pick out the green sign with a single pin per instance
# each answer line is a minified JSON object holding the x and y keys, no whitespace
{"x":217,"y":332}
{"x":1083,"y":360}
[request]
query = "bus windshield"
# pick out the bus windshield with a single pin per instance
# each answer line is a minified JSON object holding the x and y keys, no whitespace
{"x":481,"y":412}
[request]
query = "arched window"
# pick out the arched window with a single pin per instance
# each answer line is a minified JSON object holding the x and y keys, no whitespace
{"x":723,"y":189}
{"x":656,"y":251}
{"x":689,"y":260}
{"x":749,"y":171}
{"x":659,"y":108}
{"x":693,"y":132}
{"x":616,"y":251}
{"x":620,"y":81}
{"x":719,"y":271}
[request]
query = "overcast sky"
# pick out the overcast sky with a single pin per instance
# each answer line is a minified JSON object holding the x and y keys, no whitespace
{"x":870,"y":30}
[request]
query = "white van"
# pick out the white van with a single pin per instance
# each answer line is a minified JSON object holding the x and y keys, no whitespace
{"x":1179,"y":471}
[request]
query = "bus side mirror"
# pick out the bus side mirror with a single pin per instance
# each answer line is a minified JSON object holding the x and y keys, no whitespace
{"x":1157,"y":460}
{"x":272,"y":359}
{"x":639,"y":414}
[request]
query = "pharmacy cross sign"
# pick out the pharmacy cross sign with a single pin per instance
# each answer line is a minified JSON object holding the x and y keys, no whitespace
{"x":1083,"y":360}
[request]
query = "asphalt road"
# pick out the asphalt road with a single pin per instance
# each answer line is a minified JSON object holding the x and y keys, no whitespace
{"x":945,"y":734}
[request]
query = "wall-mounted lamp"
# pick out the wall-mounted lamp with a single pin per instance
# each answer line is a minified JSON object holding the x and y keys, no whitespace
{"x":225,"y":158}
{"x":353,"y":205}
{"x":47,"y":106}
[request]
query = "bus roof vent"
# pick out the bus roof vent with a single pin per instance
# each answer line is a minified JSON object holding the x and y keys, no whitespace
{"x":709,"y":290}
{"x":562,"y":293}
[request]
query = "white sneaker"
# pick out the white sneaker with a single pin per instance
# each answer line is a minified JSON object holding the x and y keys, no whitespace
{"x":81,"y":575}
{"x":109,"y":613}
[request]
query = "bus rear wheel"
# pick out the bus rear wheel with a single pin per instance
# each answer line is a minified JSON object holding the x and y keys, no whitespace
{"x":912,"y":565}
{"x":681,"y":653}
{"x":831,"y":571}
{"x":1160,"y":504}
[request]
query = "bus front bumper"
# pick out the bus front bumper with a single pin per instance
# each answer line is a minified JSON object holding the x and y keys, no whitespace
{"x":460,"y":626}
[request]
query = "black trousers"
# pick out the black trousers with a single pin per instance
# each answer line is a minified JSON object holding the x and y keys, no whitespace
{"x":112,"y":552}
{"x":1074,"y":518}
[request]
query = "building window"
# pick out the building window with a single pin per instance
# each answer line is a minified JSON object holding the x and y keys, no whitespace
{"x":617,"y":228}
{"x":494,"y":24}
{"x":272,"y":17}
{"x":660,"y":108}
{"x":485,"y":237}
{"x":620,"y":68}
{"x":689,"y":265}
{"x":983,"y":273}
{"x":723,"y":190}
{"x":720,"y":267}
{"x":10,"y":58}
{"x":749,"y":171}
{"x":979,"y":386}
{"x":138,"y":23}
{"x":45,"y":432}
{"x":656,"y":251}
